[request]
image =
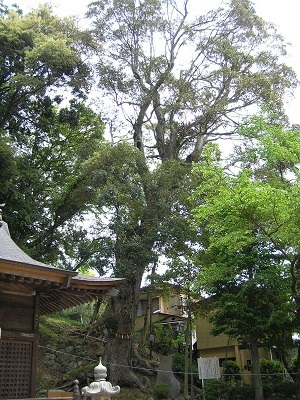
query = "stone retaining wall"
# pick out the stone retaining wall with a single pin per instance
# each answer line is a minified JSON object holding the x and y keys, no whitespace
{"x":75,"y":356}
{"x":64,"y":356}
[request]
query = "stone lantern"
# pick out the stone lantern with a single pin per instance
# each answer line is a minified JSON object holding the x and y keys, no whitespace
{"x":100,"y":389}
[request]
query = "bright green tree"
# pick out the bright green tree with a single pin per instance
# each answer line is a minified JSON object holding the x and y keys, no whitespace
{"x":250,"y":212}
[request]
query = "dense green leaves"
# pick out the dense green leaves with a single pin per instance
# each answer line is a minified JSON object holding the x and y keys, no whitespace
{"x":44,"y":141}
{"x":38,"y":52}
{"x":250,"y":213}
{"x":46,"y":185}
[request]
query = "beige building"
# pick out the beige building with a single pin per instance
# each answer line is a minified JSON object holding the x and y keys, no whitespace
{"x":161,"y":306}
{"x":222,"y":347}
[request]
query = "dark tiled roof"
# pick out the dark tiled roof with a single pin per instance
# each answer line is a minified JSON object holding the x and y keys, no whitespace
{"x":59,"y":289}
{"x":11,"y":252}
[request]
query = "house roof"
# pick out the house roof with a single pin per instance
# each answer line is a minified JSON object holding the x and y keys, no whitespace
{"x":58,"y":288}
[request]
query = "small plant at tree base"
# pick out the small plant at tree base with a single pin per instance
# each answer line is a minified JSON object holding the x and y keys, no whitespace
{"x":160,"y":391}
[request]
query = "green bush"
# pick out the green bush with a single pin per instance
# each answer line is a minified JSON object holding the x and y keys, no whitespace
{"x":216,"y":390}
{"x":160,"y":391}
{"x":267,"y":390}
{"x":46,"y":333}
{"x":85,"y":371}
{"x":272,"y":372}
{"x":178,"y":363}
{"x":242,"y":393}
{"x":285,"y":388}
{"x":232,"y":372}
{"x":292,"y":367}
{"x":164,"y":341}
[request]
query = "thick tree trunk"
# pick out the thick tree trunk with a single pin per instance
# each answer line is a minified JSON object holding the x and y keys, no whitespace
{"x":119,"y":320}
{"x":118,"y":360}
{"x":256,"y":377}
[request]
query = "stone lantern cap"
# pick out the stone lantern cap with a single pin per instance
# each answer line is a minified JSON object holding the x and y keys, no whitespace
{"x":100,"y":372}
{"x":100,"y":389}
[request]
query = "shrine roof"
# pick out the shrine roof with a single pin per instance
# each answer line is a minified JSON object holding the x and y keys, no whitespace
{"x":58,"y":288}
{"x":10,"y":251}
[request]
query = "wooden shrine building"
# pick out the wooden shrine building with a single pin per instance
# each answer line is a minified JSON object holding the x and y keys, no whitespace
{"x":28,"y":289}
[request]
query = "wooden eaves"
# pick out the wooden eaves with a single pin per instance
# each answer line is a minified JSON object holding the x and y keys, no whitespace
{"x":58,"y":289}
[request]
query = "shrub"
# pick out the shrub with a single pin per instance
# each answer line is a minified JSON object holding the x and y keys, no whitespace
{"x":46,"y":333}
{"x":242,"y":393}
{"x":178,"y":363}
{"x":178,"y":366}
{"x":164,"y":342}
{"x":160,"y":391}
{"x":84,"y":371}
{"x":272,"y":372}
{"x":267,"y":390}
{"x":216,"y":390}
{"x":231,"y":371}
{"x":285,"y":388}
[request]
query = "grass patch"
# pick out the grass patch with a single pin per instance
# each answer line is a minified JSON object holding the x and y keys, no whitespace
{"x":55,"y":326}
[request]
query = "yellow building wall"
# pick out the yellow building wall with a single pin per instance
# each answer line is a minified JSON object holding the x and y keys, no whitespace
{"x":139,"y":322}
{"x":167,"y":305}
{"x":171,"y":305}
{"x":220,"y":346}
{"x":205,"y":340}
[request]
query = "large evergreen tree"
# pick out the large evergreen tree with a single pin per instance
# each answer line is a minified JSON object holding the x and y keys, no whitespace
{"x":46,"y":132}
{"x":179,"y":82}
{"x":39,"y":52}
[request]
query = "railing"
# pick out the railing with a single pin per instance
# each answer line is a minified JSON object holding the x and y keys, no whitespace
{"x":58,"y":395}
{"x":43,"y":398}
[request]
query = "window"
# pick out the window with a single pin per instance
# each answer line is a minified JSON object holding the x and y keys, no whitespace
{"x":142,"y":308}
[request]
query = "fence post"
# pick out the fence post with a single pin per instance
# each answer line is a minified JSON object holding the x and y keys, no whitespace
{"x":76,"y":390}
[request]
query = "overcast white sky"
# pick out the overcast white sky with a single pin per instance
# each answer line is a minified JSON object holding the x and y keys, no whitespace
{"x":284,"y":14}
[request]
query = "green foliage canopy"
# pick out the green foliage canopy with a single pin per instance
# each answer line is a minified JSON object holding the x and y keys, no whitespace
{"x":38,"y":52}
{"x":250,"y":215}
{"x":44,"y":181}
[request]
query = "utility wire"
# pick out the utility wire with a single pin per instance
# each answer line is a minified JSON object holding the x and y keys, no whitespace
{"x":152,"y":369}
